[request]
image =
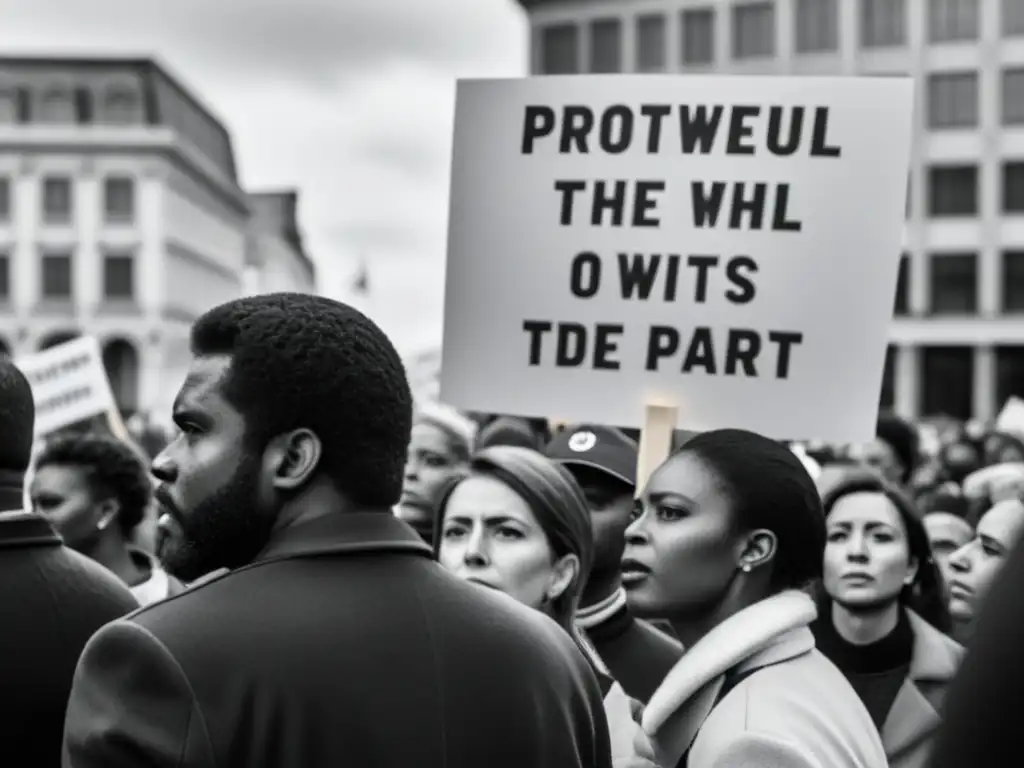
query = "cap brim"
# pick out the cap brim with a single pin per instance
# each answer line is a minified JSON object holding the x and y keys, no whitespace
{"x":599,"y":467}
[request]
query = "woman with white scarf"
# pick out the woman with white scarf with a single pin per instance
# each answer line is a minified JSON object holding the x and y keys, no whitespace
{"x":726,"y":535}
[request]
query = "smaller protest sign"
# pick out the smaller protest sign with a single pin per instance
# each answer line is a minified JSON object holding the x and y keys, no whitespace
{"x":69,"y":384}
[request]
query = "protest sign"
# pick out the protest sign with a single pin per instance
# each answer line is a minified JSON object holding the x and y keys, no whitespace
{"x":725,"y":246}
{"x":69,"y":384}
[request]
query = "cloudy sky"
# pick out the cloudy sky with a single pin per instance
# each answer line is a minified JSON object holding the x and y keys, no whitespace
{"x":350,"y":101}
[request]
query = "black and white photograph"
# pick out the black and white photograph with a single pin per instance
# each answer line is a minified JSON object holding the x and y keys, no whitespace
{"x":511,"y":383}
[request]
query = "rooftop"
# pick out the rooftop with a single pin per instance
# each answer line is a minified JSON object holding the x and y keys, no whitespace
{"x":152,"y":72}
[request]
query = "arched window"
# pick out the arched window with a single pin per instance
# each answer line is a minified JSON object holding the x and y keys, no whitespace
{"x":121,"y":360}
{"x":120,"y":106}
{"x":57,"y":106}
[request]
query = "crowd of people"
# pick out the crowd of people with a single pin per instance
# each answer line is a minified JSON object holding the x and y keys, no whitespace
{"x":314,"y":570}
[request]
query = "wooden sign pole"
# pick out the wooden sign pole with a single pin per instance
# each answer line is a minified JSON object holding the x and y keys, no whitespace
{"x":655,"y":441}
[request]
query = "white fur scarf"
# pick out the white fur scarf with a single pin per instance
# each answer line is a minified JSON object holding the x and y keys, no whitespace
{"x":684,"y":699}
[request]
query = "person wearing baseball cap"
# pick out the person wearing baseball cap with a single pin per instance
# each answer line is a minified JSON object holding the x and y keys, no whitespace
{"x":603,"y":461}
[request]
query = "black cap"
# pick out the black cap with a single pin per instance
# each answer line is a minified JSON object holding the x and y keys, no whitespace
{"x":602,"y":448}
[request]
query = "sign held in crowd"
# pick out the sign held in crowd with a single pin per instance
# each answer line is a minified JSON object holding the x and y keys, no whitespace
{"x":69,"y":384}
{"x":722,"y":245}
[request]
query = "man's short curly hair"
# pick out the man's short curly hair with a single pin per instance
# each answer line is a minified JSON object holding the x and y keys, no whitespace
{"x":301,"y":361}
{"x":112,"y":470}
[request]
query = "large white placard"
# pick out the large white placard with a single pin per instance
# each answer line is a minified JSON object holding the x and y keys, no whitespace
{"x":729,"y":245}
{"x":69,"y":383}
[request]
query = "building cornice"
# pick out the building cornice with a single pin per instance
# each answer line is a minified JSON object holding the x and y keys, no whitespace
{"x":156,"y":141}
{"x":532,"y":5}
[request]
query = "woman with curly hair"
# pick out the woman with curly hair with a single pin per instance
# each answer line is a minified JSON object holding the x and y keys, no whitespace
{"x":95,"y":491}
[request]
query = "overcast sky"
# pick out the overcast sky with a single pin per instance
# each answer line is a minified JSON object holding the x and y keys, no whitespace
{"x":350,"y":101}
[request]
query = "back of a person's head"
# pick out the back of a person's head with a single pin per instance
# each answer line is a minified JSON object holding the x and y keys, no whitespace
{"x":111,"y":468}
{"x":770,"y":489}
{"x":902,"y":437}
{"x":308,"y":362}
{"x":508,"y":431}
{"x":944,"y":501}
{"x":460,"y":430}
{"x":17,"y":418}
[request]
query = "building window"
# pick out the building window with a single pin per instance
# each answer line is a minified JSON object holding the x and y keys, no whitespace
{"x":953,"y":190}
{"x":56,"y":276}
{"x":83,"y":106}
{"x":25,"y":112}
{"x":883,"y":23}
{"x":119,"y":276}
{"x":605,"y":46}
{"x":952,"y":20}
{"x":5,"y":199}
{"x":1013,"y":187}
{"x":119,"y":200}
{"x":5,"y":277}
{"x":120,"y":106}
{"x":753,"y":30}
{"x":57,"y":202}
{"x":698,"y":36}
{"x":650,"y":43}
{"x":1009,"y":372}
{"x":1013,"y":96}
{"x":57,"y":108}
{"x":1013,"y":282}
{"x":817,"y":26}
{"x":560,"y":50}
{"x":954,"y":284}
{"x":947,"y":381}
{"x":953,"y":100}
{"x":887,"y":398}
{"x":8,"y":106}
{"x":1013,"y":18}
{"x":902,"y":304}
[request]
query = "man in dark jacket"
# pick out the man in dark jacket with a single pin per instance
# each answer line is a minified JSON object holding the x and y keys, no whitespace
{"x":603,"y":461}
{"x":334,"y":639}
{"x":51,"y":598}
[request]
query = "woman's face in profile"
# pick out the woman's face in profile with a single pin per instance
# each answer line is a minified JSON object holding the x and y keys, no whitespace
{"x":492,"y":538}
{"x":429,"y":465}
{"x":975,"y":566}
{"x":680,"y":554}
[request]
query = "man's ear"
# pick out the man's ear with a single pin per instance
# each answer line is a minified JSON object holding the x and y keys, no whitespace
{"x":294,"y":458}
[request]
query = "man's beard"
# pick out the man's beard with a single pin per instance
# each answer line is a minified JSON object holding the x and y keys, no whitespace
{"x":226,"y":530}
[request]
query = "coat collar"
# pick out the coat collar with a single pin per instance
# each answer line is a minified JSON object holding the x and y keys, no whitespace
{"x":936,"y":658}
{"x":913,"y":718}
{"x":334,"y":533}
{"x":344,"y":532}
{"x":25,"y":529}
{"x":768,"y":632}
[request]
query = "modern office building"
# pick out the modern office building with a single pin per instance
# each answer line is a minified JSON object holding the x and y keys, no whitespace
{"x":121,"y":216}
{"x":958,"y":336}
{"x":277,"y":259}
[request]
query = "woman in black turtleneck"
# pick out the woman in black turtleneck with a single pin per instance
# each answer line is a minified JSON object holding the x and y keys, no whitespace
{"x":882,"y":613}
